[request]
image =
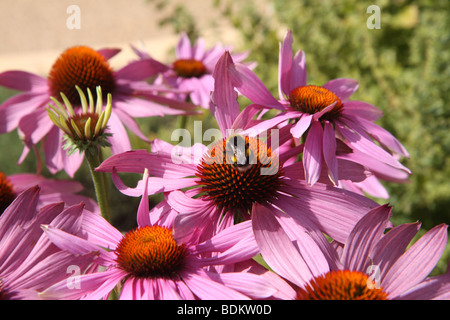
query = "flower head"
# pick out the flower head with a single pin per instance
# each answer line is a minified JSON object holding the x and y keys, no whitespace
{"x":371,"y":265}
{"x":331,"y":127}
{"x":86,"y":68}
{"x":86,"y":129}
{"x":152,"y":263}
{"x":191,"y":72}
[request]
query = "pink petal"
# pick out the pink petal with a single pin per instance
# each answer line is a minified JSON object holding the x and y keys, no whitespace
{"x":276,"y":247}
{"x":361,"y":109}
{"x":363,"y":237}
{"x":119,"y":140}
{"x":302,"y":125}
{"x":225,"y":107}
{"x":183,"y":49}
{"x":329,"y":152}
{"x":23,"y":81}
{"x":336,"y":211}
{"x":285,"y":66}
{"x":249,"y":85}
{"x":342,"y":87}
{"x":206,"y":288}
{"x":108,"y":53}
{"x":312,"y":154}
{"x":35,"y":125}
{"x":298,"y":72}
{"x":140,"y":70}
{"x":417,"y":262}
{"x":17,"y":107}
{"x":392,"y":245}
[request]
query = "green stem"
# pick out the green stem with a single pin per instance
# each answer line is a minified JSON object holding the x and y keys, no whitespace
{"x":93,"y":157}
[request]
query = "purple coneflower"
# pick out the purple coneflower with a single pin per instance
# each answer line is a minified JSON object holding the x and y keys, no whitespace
{"x":329,"y":123}
{"x":370,"y":265}
{"x":86,"y":68}
{"x":51,"y":190}
{"x":29,"y":262}
{"x":191,"y":72}
{"x":222,"y":186}
{"x":149,"y":262}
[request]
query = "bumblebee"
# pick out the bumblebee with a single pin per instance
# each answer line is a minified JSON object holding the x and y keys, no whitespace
{"x":238,"y":153}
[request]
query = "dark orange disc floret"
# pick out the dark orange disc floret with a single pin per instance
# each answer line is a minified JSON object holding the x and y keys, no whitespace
{"x":7,"y":193}
{"x":189,"y":68}
{"x":341,"y":285}
{"x":313,"y":99}
{"x":236,"y":186}
{"x":80,"y":66}
{"x":150,"y":252}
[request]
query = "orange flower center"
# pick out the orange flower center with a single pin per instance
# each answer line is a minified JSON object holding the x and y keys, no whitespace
{"x":312,"y":99}
{"x":238,"y":172}
{"x":189,"y":68}
{"x":150,"y":252}
{"x":80,"y":66}
{"x":7,"y":194}
{"x":341,"y":285}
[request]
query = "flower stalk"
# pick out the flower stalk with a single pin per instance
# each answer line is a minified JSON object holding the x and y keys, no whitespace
{"x":85,"y":132}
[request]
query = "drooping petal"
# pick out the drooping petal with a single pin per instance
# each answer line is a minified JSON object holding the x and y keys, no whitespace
{"x":329,"y":152}
{"x":205,"y":288}
{"x":302,"y":125}
{"x":312,"y":154}
{"x":18,"y":106}
{"x":277,"y":249}
{"x":119,"y":140}
{"x":336,"y":211}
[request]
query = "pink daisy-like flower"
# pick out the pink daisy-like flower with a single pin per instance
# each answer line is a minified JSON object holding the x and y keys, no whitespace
{"x":371,"y":265}
{"x":151,"y":263}
{"x":208,"y":188}
{"x":191,"y":72}
{"x":330,"y":124}
{"x":29,"y":262}
{"x":51,"y":190}
{"x":86,"y":68}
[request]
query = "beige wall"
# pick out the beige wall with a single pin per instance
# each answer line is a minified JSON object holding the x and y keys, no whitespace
{"x":34,"y":32}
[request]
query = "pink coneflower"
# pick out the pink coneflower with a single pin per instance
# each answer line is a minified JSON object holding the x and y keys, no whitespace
{"x":51,"y":190}
{"x":149,"y":262}
{"x":29,"y":262}
{"x":371,"y":264}
{"x":223,"y":185}
{"x":86,"y":68}
{"x":191,"y":72}
{"x":324,"y":117}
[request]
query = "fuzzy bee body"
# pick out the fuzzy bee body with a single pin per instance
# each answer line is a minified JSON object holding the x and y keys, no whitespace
{"x":238,"y":153}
